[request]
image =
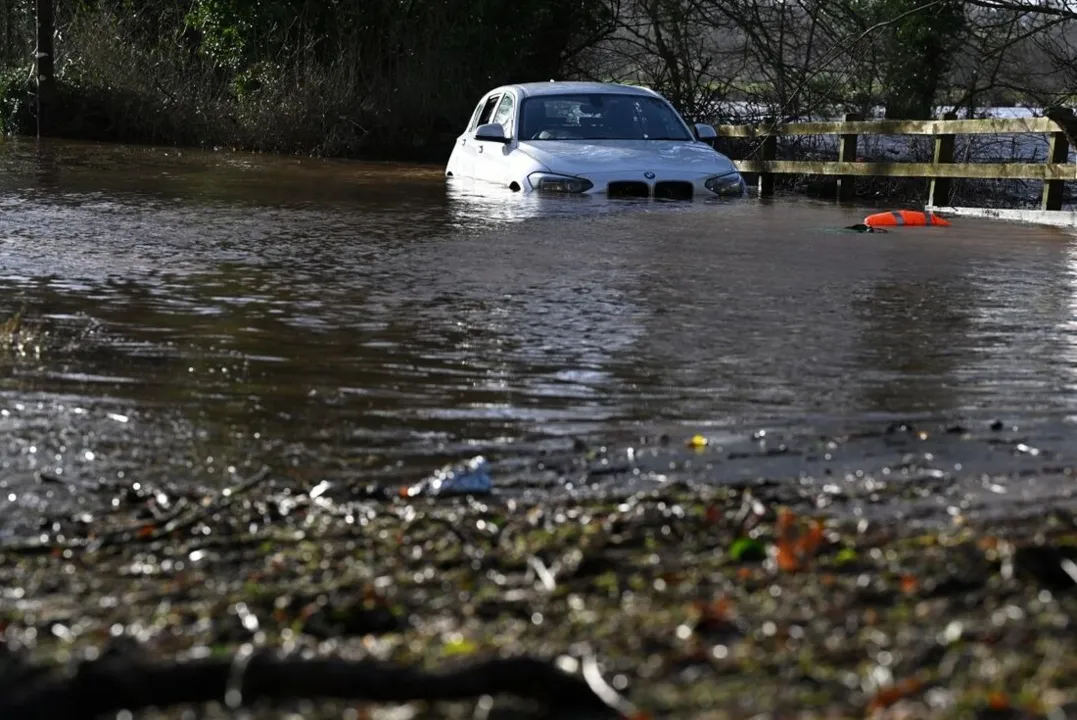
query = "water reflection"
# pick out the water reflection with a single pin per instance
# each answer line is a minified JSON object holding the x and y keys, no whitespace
{"x":731,"y":302}
{"x":336,"y":316}
{"x":914,"y":339}
{"x":73,"y":173}
{"x":473,"y":201}
{"x":1067,"y":327}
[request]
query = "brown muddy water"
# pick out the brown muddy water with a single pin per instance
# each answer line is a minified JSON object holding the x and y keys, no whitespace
{"x":195,"y":315}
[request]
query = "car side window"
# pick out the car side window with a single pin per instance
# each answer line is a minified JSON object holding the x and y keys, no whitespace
{"x":475,"y":115}
{"x":503,"y":116}
{"x":487,"y":111}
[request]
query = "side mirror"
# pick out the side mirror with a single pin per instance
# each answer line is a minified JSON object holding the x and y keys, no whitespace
{"x":706,"y":133}
{"x":492,"y":132}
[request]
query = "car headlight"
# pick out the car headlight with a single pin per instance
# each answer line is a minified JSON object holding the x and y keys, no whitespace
{"x":726,"y":185}
{"x":552,"y":182}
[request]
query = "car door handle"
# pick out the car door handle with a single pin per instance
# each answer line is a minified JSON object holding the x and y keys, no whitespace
{"x":480,"y":148}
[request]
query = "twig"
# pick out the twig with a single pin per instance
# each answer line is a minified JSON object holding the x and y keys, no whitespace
{"x":227,"y":496}
{"x":112,"y":684}
{"x":127,"y":535}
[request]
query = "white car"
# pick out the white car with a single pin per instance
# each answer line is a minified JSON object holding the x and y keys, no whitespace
{"x":590,"y":138}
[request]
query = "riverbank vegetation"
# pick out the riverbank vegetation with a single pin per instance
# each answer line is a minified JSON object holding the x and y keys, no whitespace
{"x":335,"y":78}
{"x":396,"y":78}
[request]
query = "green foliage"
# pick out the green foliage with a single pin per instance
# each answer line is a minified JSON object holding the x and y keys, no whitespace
{"x":922,"y":44}
{"x":224,"y":26}
{"x":391,"y":77}
{"x":14,"y":96}
{"x":746,"y":549}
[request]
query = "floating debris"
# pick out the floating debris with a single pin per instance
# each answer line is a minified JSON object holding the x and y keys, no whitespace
{"x":470,"y":478}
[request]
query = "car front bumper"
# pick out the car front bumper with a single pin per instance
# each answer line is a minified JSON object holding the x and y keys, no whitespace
{"x":664,"y":185}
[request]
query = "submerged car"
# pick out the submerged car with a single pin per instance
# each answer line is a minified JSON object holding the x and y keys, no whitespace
{"x":590,"y":138}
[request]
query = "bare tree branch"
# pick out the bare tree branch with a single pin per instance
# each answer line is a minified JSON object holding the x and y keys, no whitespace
{"x":117,"y":683}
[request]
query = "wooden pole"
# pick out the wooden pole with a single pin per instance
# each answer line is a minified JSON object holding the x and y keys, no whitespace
{"x":938,"y":192}
{"x":770,"y":151}
{"x":847,"y":153}
{"x":44,"y":63}
{"x":1058,"y":151}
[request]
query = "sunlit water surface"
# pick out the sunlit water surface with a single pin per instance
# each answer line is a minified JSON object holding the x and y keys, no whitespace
{"x":214,"y":311}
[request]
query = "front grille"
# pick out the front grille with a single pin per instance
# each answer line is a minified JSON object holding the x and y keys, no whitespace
{"x":673,"y":190}
{"x":628,"y":188}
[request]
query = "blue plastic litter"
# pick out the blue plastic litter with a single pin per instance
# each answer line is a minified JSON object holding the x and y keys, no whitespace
{"x":469,"y":478}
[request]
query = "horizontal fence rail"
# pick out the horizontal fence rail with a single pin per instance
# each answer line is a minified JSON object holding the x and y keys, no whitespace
{"x":995,"y":171}
{"x":941,"y":170}
{"x":989,"y":126}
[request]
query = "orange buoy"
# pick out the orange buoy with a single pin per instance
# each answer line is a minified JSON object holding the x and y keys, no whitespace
{"x":911,"y":218}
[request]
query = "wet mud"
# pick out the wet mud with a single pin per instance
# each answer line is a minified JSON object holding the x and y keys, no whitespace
{"x":903,"y":591}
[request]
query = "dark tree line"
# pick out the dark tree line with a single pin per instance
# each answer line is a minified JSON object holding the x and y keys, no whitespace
{"x":398,"y":77}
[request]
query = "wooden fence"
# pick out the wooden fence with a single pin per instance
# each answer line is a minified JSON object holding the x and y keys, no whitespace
{"x":941,"y":170}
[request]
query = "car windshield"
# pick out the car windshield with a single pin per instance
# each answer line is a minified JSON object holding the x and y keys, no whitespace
{"x":599,"y":116}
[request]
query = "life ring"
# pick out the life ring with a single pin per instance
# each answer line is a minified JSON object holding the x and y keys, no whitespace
{"x":907,"y":218}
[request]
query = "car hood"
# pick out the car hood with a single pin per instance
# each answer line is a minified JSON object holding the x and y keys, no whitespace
{"x":574,"y":157}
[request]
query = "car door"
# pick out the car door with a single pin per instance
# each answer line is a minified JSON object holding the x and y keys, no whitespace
{"x":491,"y":158}
{"x":462,"y":163}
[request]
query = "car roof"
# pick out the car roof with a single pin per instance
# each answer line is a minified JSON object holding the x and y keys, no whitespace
{"x":535,"y":89}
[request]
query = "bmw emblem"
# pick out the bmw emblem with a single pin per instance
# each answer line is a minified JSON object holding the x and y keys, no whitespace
{"x":649,"y":175}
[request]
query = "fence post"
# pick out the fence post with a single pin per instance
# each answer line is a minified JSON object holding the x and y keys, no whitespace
{"x":44,"y":63}
{"x":939,"y":189}
{"x":1058,"y":151}
{"x":847,"y":153}
{"x":770,"y":152}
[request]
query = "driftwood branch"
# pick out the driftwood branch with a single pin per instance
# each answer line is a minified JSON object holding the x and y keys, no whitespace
{"x":117,"y":683}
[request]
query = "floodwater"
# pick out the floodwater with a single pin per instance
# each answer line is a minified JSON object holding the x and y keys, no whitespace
{"x":201,"y":314}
